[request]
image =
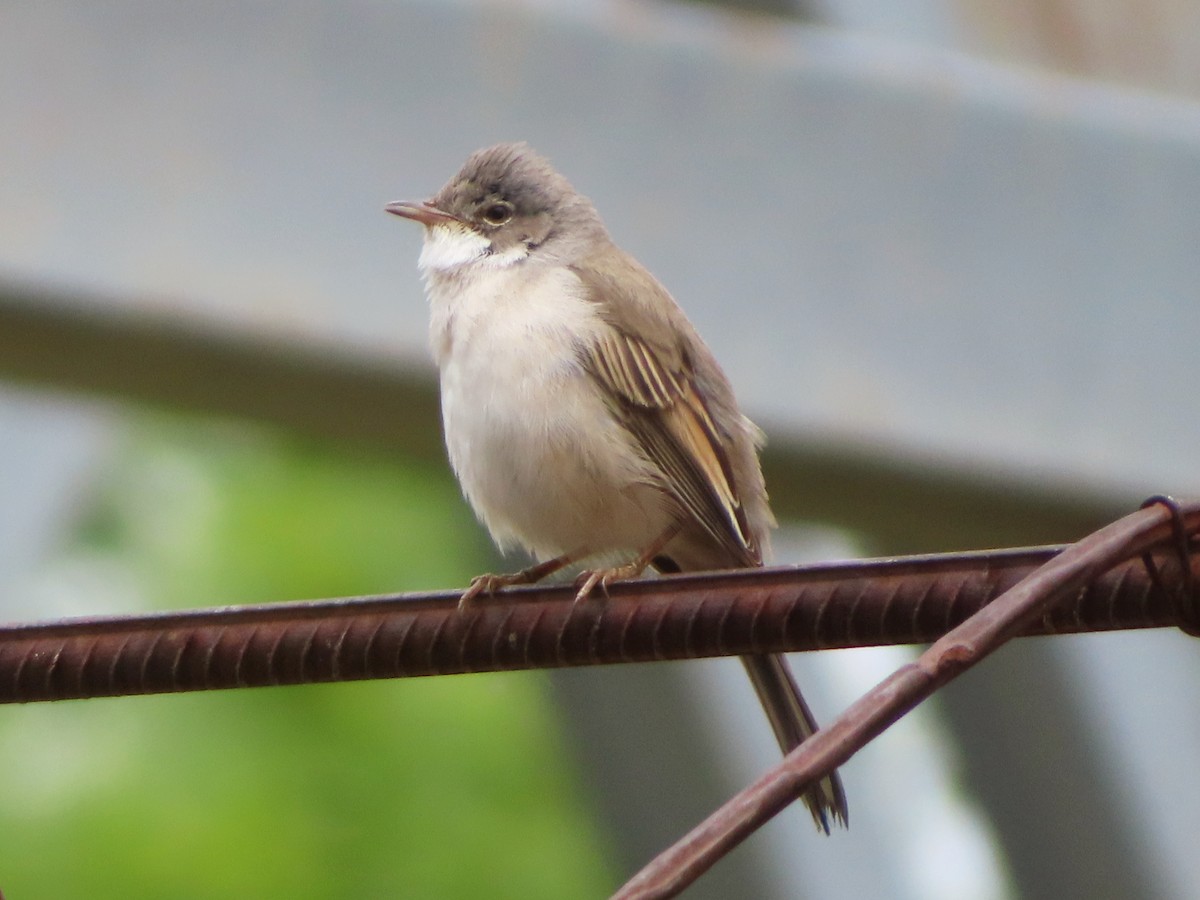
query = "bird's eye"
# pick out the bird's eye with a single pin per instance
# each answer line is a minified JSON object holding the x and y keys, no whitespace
{"x":497,"y":213}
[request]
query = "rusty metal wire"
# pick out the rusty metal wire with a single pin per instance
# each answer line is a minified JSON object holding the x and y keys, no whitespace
{"x":903,"y":600}
{"x":1067,"y":574}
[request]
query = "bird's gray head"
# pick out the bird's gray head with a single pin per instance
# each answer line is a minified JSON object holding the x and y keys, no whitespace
{"x":506,"y":205}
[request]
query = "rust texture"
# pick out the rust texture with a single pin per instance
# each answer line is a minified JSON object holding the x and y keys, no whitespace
{"x":906,"y":600}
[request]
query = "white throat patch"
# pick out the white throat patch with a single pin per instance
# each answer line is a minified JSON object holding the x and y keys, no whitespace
{"x":450,"y":247}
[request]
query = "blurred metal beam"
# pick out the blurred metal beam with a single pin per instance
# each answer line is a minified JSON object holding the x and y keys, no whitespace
{"x":58,"y":340}
{"x":354,"y":398}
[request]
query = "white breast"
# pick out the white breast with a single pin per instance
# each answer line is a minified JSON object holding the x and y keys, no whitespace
{"x":533,"y":443}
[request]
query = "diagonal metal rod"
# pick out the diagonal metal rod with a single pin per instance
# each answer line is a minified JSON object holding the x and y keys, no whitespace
{"x":1067,"y":574}
{"x":852,"y":604}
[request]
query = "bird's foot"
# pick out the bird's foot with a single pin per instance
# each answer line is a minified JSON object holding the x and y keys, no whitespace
{"x":589,"y":579}
{"x":489,"y":584}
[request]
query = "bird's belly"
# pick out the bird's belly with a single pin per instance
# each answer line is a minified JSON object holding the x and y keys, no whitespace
{"x":540,"y":457}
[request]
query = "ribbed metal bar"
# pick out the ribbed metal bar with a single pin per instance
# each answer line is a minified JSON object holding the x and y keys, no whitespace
{"x":906,"y":600}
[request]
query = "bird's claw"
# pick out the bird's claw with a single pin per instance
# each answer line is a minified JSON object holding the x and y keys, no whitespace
{"x":589,"y":580}
{"x":484,"y":584}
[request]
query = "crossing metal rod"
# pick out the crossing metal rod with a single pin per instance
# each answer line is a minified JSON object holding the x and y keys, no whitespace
{"x":851,"y":604}
{"x":1066,"y":575}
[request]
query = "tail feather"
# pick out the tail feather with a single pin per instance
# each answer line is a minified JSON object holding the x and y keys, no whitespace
{"x":790,"y":717}
{"x":793,"y":723}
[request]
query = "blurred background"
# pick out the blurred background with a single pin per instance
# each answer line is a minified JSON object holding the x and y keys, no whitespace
{"x":945,"y":249}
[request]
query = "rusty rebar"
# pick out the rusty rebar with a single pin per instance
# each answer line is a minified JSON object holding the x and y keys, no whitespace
{"x":1033,"y":598}
{"x":904,"y":600}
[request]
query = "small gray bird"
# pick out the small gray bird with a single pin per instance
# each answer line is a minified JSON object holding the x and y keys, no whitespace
{"x":584,"y":416}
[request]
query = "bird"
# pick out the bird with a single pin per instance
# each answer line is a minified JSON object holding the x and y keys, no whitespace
{"x":584,"y":417}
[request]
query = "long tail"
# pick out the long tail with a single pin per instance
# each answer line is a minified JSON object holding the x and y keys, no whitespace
{"x":793,"y":722}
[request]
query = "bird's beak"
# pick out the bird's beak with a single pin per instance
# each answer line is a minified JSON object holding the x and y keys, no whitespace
{"x":420,"y":212}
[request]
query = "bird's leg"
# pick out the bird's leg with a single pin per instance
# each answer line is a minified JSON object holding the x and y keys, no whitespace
{"x":489,"y":584}
{"x":587,"y":581}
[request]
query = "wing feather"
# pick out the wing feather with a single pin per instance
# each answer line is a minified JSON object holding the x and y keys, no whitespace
{"x":663,"y":409}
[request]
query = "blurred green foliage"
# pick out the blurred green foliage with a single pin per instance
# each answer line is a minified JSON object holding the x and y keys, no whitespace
{"x":440,"y":787}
